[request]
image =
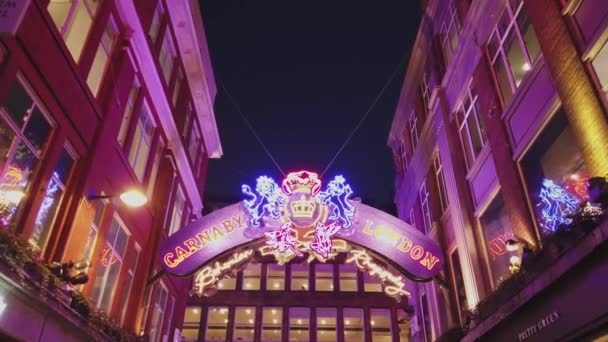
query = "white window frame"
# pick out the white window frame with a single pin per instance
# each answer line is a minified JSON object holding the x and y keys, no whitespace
{"x":167,"y":57}
{"x":158,"y":308}
{"x":106,"y":46}
{"x":467,"y":108}
{"x":68,"y":22}
{"x":427,"y":217}
{"x":440,"y":179}
{"x":452,"y":22}
{"x":177,"y":213}
{"x":403,"y":155}
{"x":143,"y":139}
{"x":157,"y":21}
{"x":425,"y":93}
{"x":413,"y":130}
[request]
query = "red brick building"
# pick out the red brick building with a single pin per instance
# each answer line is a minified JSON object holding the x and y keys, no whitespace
{"x":98,"y":97}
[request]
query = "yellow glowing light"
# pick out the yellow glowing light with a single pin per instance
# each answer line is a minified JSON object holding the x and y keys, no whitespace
{"x":274,"y":321}
{"x":373,"y":323}
{"x":210,"y":275}
{"x":250,"y":321}
{"x":526,"y":66}
{"x":322,"y":321}
{"x":275,"y":285}
{"x":247,"y":285}
{"x":347,"y":321}
{"x":299,"y":321}
{"x":11,"y":196}
{"x":274,"y":311}
{"x":133,"y":198}
{"x":394,"y":283}
{"x":195,"y":311}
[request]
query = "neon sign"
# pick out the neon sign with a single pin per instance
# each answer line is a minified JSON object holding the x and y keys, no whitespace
{"x":557,"y":204}
{"x":394,"y":284}
{"x":209,"y":276}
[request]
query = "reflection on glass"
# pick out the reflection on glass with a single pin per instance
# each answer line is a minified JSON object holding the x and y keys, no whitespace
{"x":275,"y":277}
{"x":326,"y":324}
{"x":251,"y":277}
{"x":516,"y":57}
{"x":192,"y":319}
{"x":324,"y":277}
{"x":528,"y":34}
{"x":272,"y":320}
{"x":503,"y":79}
{"x":348,"y":278}
{"x":496,"y":228}
{"x":299,"y":319}
{"x":381,"y":325}
{"x":371,"y":284}
{"x":227,"y":284}
{"x":353,"y":325}
{"x":217,"y":323}
{"x":244,"y":323}
{"x":299,"y":277}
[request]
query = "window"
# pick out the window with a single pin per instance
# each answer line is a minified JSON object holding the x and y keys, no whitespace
{"x":371,"y":284}
{"x":424,"y":94}
{"x":426,"y":320}
{"x":177,"y":87}
{"x":459,"y":289}
{"x":244,"y":324}
{"x":217,"y":324}
{"x":227,"y":284}
{"x":324,"y":277}
{"x":403,"y":155}
{"x":299,"y":321}
{"x":127,"y":283}
{"x":24,"y":132}
{"x":496,"y":228}
{"x":178,"y":211}
{"x":160,"y":146}
{"x":443,"y":194}
{"x":513,"y":47}
{"x":187,"y":120}
{"x":353,"y":325}
{"x":142,"y":142}
{"x":110,"y":264}
{"x":413,"y":127}
{"x":427,"y":217}
{"x":73,"y":19}
{"x":381,"y":325}
{"x":403,"y":326}
{"x":159,"y":12}
{"x":192,"y":321}
{"x":471,"y":130}
{"x":194,"y":145}
{"x":251,"y":277}
{"x":52,"y":199}
{"x":102,"y":56}
{"x":275,"y":277}
{"x":272,"y":320}
{"x":158,"y":314}
{"x":449,"y":33}
{"x":600,"y":65}
{"x":326,"y":324}
{"x":299,"y":277}
{"x":166,"y":57}
{"x":348,"y":278}
{"x":89,"y":245}
{"x":128,"y":112}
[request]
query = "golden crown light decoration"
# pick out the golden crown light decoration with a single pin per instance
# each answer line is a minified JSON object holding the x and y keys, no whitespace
{"x":307,"y":218}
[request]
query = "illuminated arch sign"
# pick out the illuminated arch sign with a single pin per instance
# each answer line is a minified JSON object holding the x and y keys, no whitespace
{"x":299,"y":217}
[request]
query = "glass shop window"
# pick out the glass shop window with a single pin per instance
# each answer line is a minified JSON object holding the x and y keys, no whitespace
{"x":52,"y":199}
{"x":496,"y":229}
{"x":299,"y":324}
{"x":24,"y":132}
{"x":251,"y":277}
{"x":324,"y":277}
{"x":217,"y":323}
{"x":326,"y":324}
{"x":73,"y":20}
{"x":192,"y":321}
{"x":600,"y":65}
{"x":348,"y":278}
{"x":353,"y":325}
{"x":275,"y":274}
{"x":554,"y":155}
{"x":371,"y":284}
{"x":272,"y":321}
{"x":102,"y":56}
{"x":299,"y":277}
{"x":244,"y":323}
{"x":381,"y":325}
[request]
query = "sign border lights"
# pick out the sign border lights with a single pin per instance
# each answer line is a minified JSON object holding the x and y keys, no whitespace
{"x":557,"y":204}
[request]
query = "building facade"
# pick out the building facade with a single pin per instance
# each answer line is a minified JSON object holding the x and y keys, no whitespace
{"x":502,"y":103}
{"x":98,"y":97}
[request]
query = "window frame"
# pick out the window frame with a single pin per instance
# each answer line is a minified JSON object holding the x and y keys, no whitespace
{"x":412,"y":124}
{"x":451,"y":21}
{"x":440,"y":179}
{"x":471,"y":97}
{"x":425,"y":207}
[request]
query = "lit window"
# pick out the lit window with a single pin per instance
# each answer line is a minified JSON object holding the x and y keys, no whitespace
{"x":127,"y":283}
{"x":159,"y":12}
{"x":326,"y":324}
{"x":427,"y":217}
{"x":73,"y":19}
{"x":324,"y":277}
{"x":217,"y":323}
{"x":158,"y":313}
{"x":381,"y":325}
{"x":272,"y":321}
{"x":244,"y":323}
{"x":413,"y":127}
{"x":426,"y":321}
{"x":178,"y":211}
{"x":371,"y":284}
{"x":348,"y":278}
{"x":24,"y":131}
{"x":166,"y":57}
{"x":449,"y":33}
{"x":102,"y":56}
{"x":438,"y":168}
{"x":109,"y":265}
{"x":299,"y":320}
{"x":251,"y":277}
{"x":600,"y":65}
{"x":192,"y":321}
{"x":513,"y":47}
{"x":142,"y":142}
{"x":353,"y":325}
{"x":227,"y":284}
{"x":52,"y":199}
{"x":275,"y":277}
{"x":128,"y":113}
{"x":471,"y":129}
{"x":177,"y":87}
{"x":299,"y":277}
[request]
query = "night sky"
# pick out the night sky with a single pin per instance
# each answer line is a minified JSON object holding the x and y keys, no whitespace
{"x":304,"y":73}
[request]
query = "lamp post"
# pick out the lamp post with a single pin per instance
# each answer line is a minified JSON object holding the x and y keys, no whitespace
{"x":132,"y":198}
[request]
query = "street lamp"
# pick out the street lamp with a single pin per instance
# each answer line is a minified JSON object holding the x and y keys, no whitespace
{"x":133,"y":198}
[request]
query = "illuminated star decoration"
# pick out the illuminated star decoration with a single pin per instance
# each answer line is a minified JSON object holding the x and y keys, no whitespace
{"x":557,"y":205}
{"x":337,"y":197}
{"x":323,"y":235}
{"x":269,"y":200}
{"x":282,"y":240}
